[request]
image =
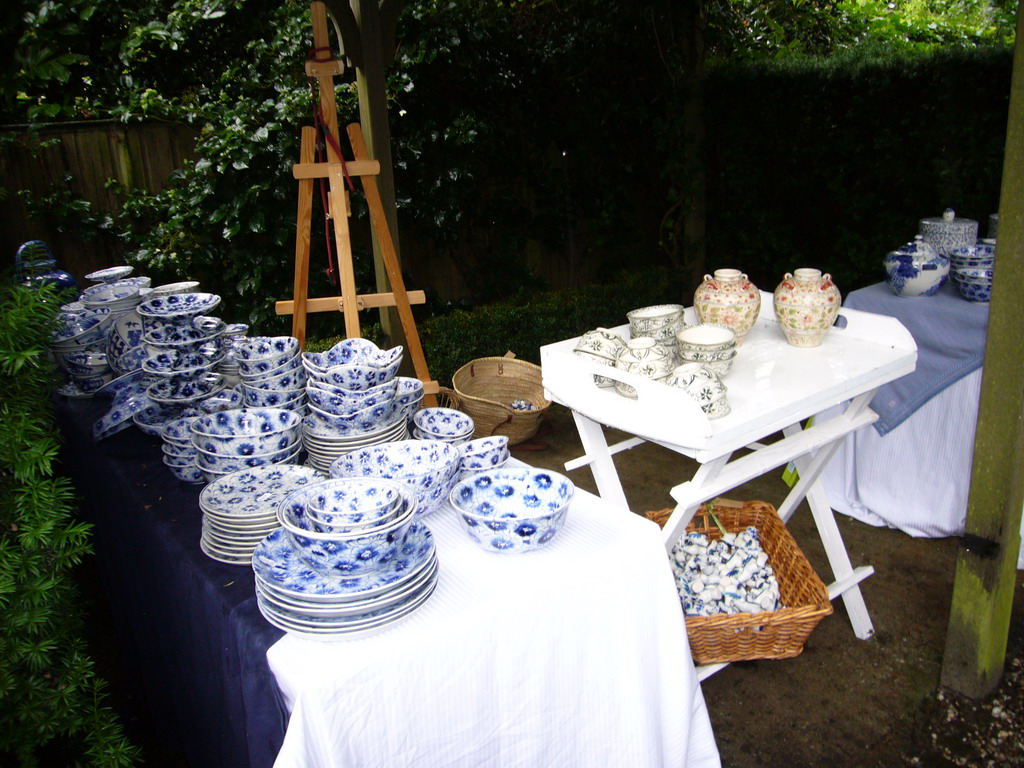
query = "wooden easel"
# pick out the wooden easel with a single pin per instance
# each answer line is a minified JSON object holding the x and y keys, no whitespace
{"x":335,"y":170}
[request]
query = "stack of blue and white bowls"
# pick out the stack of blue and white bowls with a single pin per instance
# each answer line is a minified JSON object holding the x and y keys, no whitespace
{"x":972,"y":268}
{"x":354,"y":401}
{"x":350,"y":557}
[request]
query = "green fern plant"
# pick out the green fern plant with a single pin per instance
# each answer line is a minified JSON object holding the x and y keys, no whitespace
{"x":52,"y":703}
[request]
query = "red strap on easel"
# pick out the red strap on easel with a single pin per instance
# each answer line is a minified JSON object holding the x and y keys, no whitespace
{"x":324,"y":135}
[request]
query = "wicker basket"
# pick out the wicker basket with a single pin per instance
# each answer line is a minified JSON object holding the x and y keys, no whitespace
{"x":487,"y":386}
{"x":779,"y":634}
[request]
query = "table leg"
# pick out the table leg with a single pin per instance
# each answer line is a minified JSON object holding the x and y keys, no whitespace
{"x":595,"y":446}
{"x":847,"y":579}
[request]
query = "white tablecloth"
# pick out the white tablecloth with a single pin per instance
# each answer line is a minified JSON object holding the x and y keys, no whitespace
{"x":575,"y":655}
{"x":917,"y":477}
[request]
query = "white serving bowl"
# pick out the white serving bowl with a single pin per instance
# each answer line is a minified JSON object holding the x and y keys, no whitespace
{"x":513,"y":510}
{"x":426,"y":467}
{"x":661,"y":321}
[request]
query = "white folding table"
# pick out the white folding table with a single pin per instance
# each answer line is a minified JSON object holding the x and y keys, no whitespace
{"x":772,"y":388}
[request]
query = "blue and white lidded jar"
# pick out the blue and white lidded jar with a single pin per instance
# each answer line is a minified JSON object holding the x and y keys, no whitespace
{"x":916,"y":269}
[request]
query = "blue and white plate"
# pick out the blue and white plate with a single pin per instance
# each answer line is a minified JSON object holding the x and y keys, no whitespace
{"x":324,"y":629}
{"x":110,"y":274}
{"x":182,"y":391}
{"x":179,"y":305}
{"x":278,"y":564}
{"x":256,"y":491}
{"x":393,"y":597}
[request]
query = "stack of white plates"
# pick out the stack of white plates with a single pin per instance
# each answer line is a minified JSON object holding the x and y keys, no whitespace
{"x":240,"y":509}
{"x":297,"y":597}
{"x":323,"y":447}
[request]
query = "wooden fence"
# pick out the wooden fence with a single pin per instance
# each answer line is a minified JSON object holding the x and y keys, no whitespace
{"x":80,"y":159}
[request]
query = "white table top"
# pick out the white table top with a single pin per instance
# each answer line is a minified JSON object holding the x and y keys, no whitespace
{"x":771,"y":385}
{"x":572,"y":655}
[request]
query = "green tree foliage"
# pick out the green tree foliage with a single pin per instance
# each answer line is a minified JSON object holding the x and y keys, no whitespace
{"x":52,"y":703}
{"x":522,"y":129}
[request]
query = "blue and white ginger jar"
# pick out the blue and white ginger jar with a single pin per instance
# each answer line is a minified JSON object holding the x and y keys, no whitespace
{"x":916,"y":269}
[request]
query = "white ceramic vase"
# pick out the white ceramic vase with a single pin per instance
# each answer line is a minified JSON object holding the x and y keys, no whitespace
{"x":728,"y":298}
{"x":806,"y":305}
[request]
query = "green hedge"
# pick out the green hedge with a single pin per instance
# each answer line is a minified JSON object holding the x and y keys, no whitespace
{"x":832,"y":163}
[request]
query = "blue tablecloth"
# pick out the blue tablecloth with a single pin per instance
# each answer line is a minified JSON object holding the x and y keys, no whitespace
{"x":950,"y":336}
{"x":192,"y":639}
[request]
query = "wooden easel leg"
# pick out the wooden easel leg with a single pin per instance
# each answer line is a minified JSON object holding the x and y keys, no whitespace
{"x":387,"y":249}
{"x":343,"y":245}
{"x":304,"y":219}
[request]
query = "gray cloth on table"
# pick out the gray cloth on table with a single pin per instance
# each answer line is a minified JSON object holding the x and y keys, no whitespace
{"x":950,"y":336}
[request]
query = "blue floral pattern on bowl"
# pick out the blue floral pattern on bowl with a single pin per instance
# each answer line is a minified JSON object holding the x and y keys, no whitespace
{"x":276,"y":561}
{"x":189,"y":390}
{"x":513,"y":510}
{"x":443,"y":423}
{"x":179,"y":305}
{"x":426,"y":467}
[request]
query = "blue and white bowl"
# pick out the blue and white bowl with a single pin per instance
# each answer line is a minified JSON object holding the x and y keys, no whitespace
{"x":223,"y":463}
{"x":340,"y":401}
{"x":978,"y":291}
{"x":113,"y":296}
{"x":355,"y":377}
{"x":187,"y":473}
{"x":289,"y":365}
{"x":356,"y":351}
{"x":185,"y":391}
{"x":513,"y":510}
{"x":246,"y":431}
{"x":348,"y":552}
{"x":448,"y":424}
{"x":261,"y":398}
{"x":179,"y":363}
{"x":260,"y":354}
{"x":82,"y":328}
{"x":484,"y":452}
{"x":356,"y":423}
{"x":110,"y":274}
{"x":426,"y":467}
{"x":176,"y":306}
{"x":977,"y":255}
{"x":287,"y":380}
{"x":355,"y":503}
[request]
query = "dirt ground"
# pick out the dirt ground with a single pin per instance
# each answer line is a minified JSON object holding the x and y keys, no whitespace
{"x":843,"y":701}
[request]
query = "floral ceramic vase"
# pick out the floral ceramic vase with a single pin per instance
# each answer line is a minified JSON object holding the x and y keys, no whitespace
{"x":644,"y":357}
{"x":728,"y":298}
{"x":806,"y":305}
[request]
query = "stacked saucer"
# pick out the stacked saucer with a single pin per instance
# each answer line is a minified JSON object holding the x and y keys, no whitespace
{"x":323,"y":447}
{"x":240,"y":509}
{"x":352,"y":575}
{"x":179,"y":453}
{"x":445,"y":424}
